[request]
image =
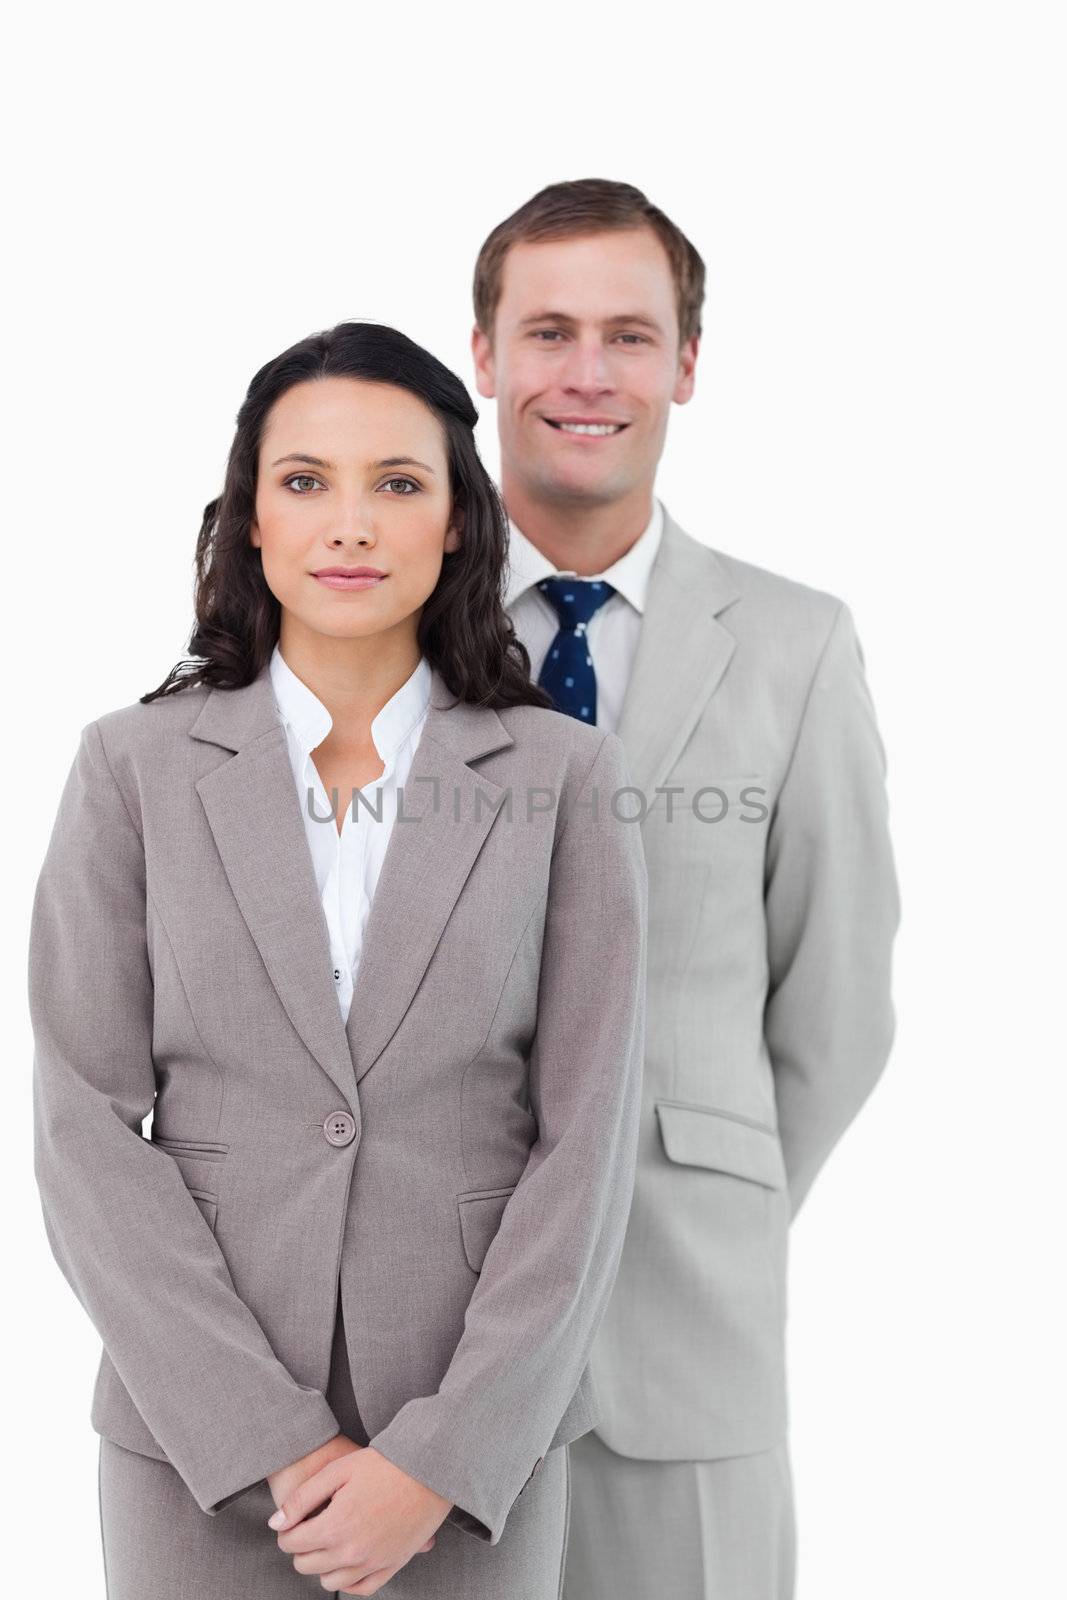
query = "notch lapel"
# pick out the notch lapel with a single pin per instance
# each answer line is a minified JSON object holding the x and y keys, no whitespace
{"x":448,"y":810}
{"x":682,"y":653}
{"x":253,"y":811}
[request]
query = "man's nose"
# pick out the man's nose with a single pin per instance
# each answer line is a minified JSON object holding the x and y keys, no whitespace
{"x":588,"y":368}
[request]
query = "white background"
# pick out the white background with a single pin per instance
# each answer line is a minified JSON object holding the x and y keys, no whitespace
{"x":878,"y":193}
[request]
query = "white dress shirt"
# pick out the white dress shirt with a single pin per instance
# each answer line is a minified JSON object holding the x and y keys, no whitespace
{"x":348,"y":863}
{"x":613,"y":631}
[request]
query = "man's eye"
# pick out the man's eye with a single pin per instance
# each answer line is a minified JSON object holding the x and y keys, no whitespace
{"x":300,"y":477}
{"x":406,"y":485}
{"x":637,"y":338}
{"x":548,"y":333}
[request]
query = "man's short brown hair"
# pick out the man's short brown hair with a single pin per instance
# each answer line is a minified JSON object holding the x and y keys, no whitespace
{"x":588,"y":205}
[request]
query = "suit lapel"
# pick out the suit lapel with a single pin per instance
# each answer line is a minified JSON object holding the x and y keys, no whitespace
{"x":448,"y":810}
{"x":253,"y":811}
{"x":682,"y":653}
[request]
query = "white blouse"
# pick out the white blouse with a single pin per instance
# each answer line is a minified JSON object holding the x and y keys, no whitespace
{"x":348,"y":863}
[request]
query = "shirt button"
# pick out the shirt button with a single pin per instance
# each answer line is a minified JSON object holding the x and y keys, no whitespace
{"x":339,"y":1127}
{"x":337,"y":973}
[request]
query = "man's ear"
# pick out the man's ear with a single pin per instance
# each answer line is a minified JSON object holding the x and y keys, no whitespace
{"x":484,"y":364}
{"x":686,"y":380}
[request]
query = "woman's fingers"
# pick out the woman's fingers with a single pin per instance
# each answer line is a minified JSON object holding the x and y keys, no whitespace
{"x":310,"y":1494}
{"x":368,"y":1585}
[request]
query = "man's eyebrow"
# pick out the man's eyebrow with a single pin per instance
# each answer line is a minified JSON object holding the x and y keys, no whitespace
{"x":638,"y":318}
{"x":545,"y":316}
{"x":388,"y":461}
{"x":631,"y":319}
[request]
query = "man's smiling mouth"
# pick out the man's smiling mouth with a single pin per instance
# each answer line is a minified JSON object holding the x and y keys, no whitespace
{"x":600,"y":430}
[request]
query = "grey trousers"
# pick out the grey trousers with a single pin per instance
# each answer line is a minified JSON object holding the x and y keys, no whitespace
{"x":680,"y":1530}
{"x":157,"y":1542}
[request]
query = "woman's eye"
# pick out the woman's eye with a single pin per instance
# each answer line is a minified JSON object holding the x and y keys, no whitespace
{"x":405,"y":483}
{"x":300,"y":477}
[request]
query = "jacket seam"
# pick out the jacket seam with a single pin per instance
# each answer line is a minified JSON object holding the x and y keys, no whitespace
{"x":95,"y":726}
{"x":150,"y":900}
{"x":499,"y":1001}
{"x":808,"y":695}
{"x":581,"y":790}
{"x":189,"y":1007}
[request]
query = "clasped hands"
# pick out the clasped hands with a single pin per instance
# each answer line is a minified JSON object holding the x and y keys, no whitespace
{"x":370,"y":1516}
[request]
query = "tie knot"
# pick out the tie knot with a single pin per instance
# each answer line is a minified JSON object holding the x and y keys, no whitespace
{"x":575,"y":600}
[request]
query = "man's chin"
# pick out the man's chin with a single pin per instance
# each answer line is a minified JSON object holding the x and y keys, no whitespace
{"x":580,"y":489}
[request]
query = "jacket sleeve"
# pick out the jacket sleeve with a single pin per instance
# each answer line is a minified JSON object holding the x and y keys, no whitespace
{"x":832,"y":912}
{"x":549,"y":1270}
{"x":127,"y":1234}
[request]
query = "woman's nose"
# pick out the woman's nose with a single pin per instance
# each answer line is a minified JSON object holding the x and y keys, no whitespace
{"x":354,"y":521}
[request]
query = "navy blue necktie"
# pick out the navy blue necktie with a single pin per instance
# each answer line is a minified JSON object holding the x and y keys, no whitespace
{"x":567,"y":672}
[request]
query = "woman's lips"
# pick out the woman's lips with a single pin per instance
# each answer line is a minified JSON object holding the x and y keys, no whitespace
{"x":334,"y":580}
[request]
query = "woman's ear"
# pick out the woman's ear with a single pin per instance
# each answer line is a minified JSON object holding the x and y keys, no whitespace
{"x":454,"y":534}
{"x":253,"y":532}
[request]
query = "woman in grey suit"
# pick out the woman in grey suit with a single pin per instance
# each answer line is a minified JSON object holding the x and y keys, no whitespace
{"x":356,"y":1268}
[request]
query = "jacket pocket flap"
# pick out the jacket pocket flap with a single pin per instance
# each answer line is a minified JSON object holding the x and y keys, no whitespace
{"x":698,"y":1136}
{"x":479,"y":1218}
{"x":208,"y":1203}
{"x":204,"y":1149}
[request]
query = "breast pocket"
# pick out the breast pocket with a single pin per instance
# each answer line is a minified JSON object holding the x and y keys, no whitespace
{"x":704,"y":820}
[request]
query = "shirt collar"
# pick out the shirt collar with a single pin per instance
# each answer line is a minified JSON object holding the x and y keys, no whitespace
{"x":629,"y":575}
{"x":310,"y":721}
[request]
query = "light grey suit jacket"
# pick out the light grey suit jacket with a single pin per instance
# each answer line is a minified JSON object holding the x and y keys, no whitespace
{"x":457,"y":1161}
{"x":769,"y":1014}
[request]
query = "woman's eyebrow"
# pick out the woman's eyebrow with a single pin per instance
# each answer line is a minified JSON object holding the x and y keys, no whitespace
{"x":388,"y":461}
{"x":404,"y":461}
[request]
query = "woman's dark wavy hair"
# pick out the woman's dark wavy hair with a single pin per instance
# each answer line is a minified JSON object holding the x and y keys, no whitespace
{"x":464,"y":629}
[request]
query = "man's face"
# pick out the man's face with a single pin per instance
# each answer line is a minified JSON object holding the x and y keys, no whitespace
{"x":585,"y":337}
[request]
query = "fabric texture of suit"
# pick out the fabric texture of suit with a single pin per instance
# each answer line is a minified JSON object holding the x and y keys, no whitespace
{"x":157,"y":1542}
{"x":455,"y":1162}
{"x":772,"y":910}
{"x":720,"y":1529}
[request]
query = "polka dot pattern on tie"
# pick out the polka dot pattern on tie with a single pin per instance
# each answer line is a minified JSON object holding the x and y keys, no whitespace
{"x":567,"y":672}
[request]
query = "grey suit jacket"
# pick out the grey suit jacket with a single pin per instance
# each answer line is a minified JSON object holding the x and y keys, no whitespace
{"x":772,"y":911}
{"x":457,"y":1162}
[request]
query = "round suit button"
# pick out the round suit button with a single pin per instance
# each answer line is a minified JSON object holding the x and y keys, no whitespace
{"x":340,"y":1127}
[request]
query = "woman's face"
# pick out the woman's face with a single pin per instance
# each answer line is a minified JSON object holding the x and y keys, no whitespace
{"x":352,"y":474}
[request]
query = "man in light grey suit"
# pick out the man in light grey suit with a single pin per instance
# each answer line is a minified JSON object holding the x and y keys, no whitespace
{"x":741,"y":702}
